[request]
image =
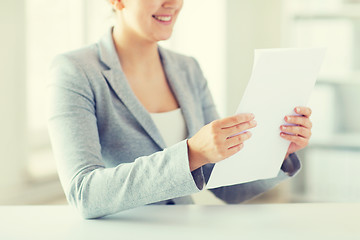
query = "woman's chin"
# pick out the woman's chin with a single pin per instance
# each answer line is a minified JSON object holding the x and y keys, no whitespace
{"x":163,"y":39}
{"x":163,"y":36}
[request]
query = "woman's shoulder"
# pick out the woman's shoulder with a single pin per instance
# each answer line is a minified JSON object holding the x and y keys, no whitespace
{"x":82,"y":57}
{"x":182,"y":61}
{"x":77,"y":69}
{"x":188,"y":66}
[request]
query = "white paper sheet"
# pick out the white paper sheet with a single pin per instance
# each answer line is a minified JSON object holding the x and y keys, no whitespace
{"x":281,"y":80}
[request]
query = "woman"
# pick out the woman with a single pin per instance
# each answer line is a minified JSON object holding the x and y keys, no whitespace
{"x":133,"y":124}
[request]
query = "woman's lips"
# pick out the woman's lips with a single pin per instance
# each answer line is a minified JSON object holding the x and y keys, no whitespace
{"x":163,"y":18}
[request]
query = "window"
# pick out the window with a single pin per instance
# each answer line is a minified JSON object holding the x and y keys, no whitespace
{"x":334,"y":151}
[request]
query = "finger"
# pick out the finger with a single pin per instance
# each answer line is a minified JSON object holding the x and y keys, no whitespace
{"x":295,"y":139}
{"x":296,"y":130}
{"x":230,"y":131}
{"x":236,"y":140}
{"x":231,"y":151}
{"x":305,"y":111}
{"x":235,"y":120}
{"x":299,"y":120}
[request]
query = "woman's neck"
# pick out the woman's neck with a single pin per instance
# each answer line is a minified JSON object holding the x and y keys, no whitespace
{"x":134,"y":53}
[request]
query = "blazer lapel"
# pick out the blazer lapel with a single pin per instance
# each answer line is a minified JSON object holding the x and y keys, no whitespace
{"x":178,"y":84}
{"x":117,"y":79}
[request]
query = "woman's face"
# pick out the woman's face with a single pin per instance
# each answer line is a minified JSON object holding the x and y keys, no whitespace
{"x":151,"y":20}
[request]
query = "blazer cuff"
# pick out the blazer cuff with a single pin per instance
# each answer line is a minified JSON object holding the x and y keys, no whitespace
{"x":194,"y":179}
{"x":197,"y":174}
{"x":291,"y":165}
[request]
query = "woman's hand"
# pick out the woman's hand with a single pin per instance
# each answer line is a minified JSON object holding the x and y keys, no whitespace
{"x":219,"y":139}
{"x":300,"y":134}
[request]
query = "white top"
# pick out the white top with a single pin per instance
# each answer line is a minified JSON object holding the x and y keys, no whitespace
{"x":171,"y":125}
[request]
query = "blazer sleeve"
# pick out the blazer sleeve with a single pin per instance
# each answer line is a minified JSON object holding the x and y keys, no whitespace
{"x":92,"y":188}
{"x":241,"y":192}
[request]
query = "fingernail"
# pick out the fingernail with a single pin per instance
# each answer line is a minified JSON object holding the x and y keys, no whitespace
{"x":297,"y":110}
{"x":287,"y":118}
{"x":253,"y":122}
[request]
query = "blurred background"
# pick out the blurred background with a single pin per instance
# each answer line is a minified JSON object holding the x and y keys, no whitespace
{"x":222,"y":35}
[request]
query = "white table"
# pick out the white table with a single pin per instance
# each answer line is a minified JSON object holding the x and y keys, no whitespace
{"x":265,"y":222}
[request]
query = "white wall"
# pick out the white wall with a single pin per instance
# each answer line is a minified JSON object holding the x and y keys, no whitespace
{"x":251,"y":24}
{"x":13,"y":141}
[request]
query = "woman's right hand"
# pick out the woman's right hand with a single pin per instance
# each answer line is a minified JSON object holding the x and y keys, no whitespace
{"x":219,"y":139}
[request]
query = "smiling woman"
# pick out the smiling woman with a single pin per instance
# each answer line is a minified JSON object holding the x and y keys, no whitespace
{"x":146,"y":18}
{"x":111,"y":150}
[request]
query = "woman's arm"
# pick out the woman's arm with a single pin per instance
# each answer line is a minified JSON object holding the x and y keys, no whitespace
{"x":92,"y":188}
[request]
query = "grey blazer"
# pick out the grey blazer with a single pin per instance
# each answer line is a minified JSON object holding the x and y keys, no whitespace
{"x":109,"y":153}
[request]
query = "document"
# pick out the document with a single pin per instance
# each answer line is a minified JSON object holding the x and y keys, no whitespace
{"x":281,"y":80}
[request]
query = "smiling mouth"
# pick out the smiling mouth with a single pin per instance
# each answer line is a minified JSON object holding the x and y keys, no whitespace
{"x":162,"y":18}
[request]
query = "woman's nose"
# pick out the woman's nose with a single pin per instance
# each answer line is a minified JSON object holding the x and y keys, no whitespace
{"x":173,"y":4}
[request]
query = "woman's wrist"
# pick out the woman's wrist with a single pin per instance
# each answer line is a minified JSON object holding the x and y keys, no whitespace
{"x":195,"y":159}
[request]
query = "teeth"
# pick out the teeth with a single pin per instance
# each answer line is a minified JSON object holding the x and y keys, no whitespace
{"x":163,"y":18}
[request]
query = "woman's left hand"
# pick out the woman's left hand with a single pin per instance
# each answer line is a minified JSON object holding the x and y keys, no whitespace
{"x":300,"y":134}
